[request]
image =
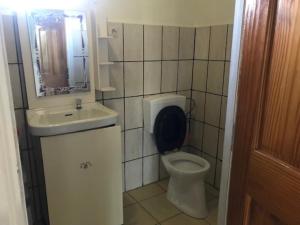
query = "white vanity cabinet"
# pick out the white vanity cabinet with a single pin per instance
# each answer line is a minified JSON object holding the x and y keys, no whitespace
{"x":83,"y":175}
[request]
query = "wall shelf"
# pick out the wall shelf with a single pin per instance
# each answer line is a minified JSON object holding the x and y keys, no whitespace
{"x":103,"y":77}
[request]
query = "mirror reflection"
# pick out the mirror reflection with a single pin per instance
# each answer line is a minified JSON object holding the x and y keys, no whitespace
{"x":59,"y":47}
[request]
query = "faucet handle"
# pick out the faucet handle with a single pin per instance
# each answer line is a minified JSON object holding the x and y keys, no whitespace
{"x":78,"y":102}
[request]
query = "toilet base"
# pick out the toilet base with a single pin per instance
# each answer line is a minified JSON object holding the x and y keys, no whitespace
{"x":190,"y":198}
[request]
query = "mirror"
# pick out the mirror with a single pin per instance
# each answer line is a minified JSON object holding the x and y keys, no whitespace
{"x":59,"y":49}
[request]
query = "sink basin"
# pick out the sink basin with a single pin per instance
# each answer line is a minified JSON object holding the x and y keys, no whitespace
{"x":66,"y":119}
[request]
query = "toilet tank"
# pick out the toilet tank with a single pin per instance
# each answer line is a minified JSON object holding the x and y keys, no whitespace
{"x":153,"y":105}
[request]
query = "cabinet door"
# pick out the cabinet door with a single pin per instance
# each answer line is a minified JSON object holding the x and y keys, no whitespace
{"x":83,"y":174}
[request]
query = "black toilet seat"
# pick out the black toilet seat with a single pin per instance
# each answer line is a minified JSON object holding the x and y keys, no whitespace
{"x":170,"y":128}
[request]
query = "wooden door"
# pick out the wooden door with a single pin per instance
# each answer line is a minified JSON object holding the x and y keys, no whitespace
{"x":265,"y":177}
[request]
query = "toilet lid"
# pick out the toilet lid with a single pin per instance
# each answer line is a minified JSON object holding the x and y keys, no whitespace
{"x":170,"y":128}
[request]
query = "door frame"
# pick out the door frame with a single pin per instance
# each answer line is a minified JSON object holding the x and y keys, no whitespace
{"x":12,"y":197}
{"x":231,"y":111}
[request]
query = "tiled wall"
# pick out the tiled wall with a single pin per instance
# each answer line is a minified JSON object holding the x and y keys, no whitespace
{"x":209,"y":94}
{"x":163,"y":59}
{"x":147,"y":60}
{"x":20,"y":104}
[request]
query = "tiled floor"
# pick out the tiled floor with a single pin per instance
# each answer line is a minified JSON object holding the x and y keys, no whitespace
{"x":149,"y":206}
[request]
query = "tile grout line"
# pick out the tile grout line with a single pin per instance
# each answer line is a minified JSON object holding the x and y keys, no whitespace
{"x":161,"y":57}
{"x":178,"y":57}
{"x":191,"y":94}
{"x":143,"y":105}
{"x":124,"y":107}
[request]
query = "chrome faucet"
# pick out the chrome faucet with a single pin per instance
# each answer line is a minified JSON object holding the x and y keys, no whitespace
{"x":78,"y":103}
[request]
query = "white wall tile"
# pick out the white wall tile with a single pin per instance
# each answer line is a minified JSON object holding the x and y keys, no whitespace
{"x":169,"y":76}
{"x":198,"y":105}
{"x":98,"y":96}
{"x":133,"y":42}
{"x":187,"y":136}
{"x":192,"y":150}
{"x":187,"y":94}
{"x":133,"y":112}
{"x":150,"y":169}
{"x":116,"y":80}
{"x":133,"y":174}
{"x":163,"y":173}
{"x":152,"y":42}
{"x":223,"y":112}
{"x":149,"y":144}
{"x":26,"y":167}
{"x":229,"y":42}
{"x":226,"y":78}
{"x":212,"y":109}
{"x":123,"y":177}
{"x":215,"y":77}
{"x":115,"y":49}
{"x":118,"y":106}
{"x":34,"y":167}
{"x":10,"y":40}
{"x":170,"y":42}
{"x":218,"y":174}
{"x":218,"y":42}
{"x":202,"y":42}
{"x":152,"y":77}
{"x":196,"y":134}
{"x":133,"y":144}
{"x":123,"y":145}
{"x":186,"y":43}
{"x":210,"y":177}
{"x":21,"y":128}
{"x":221,"y":144}
{"x":210,"y":140}
{"x":200,"y":75}
{"x":185,"y":75}
{"x":23,"y":86}
{"x":133,"y":78}
{"x":16,"y":85}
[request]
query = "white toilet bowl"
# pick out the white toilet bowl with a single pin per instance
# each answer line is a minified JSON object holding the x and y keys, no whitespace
{"x":186,"y":188}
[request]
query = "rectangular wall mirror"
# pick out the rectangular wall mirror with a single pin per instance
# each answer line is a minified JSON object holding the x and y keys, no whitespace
{"x":59,"y":50}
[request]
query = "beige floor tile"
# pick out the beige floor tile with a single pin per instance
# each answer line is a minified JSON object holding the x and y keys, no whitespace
{"x":159,"y":207}
{"x":212,"y":212}
{"x":146,"y":192}
{"x":183,"y":219}
{"x":164,"y":184}
{"x":127,"y":200}
{"x":136,"y":215}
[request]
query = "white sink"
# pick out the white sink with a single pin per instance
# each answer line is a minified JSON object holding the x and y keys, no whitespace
{"x":67,"y":119}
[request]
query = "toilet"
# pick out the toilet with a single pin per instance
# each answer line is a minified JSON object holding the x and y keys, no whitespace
{"x":165,"y":119}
